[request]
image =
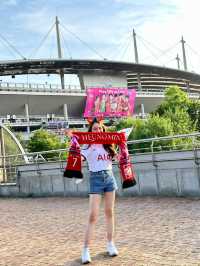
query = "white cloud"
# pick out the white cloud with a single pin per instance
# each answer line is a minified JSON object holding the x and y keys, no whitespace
{"x":168,"y":30}
{"x":107,"y":27}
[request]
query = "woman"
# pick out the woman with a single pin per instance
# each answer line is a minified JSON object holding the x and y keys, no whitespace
{"x":97,"y":105}
{"x":103,"y":104}
{"x":99,"y":158}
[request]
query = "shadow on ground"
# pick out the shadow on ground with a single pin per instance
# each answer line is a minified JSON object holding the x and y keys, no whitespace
{"x":100,"y":259}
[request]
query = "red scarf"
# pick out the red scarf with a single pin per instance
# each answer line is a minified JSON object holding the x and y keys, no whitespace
{"x":99,"y":137}
{"x":73,"y":168}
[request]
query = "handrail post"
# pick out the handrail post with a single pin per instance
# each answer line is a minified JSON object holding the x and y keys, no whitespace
{"x":2,"y":152}
{"x":152,"y":146}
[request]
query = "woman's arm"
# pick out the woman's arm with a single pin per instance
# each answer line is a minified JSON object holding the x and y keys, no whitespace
{"x":116,"y":154}
{"x":116,"y":157}
{"x":68,"y":132}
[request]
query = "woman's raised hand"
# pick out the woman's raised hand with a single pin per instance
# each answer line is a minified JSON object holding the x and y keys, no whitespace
{"x":69,"y":133}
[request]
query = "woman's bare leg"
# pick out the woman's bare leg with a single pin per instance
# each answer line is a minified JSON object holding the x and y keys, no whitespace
{"x":94,"y":204}
{"x":109,"y":203}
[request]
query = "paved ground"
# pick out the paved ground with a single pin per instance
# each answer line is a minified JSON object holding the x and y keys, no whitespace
{"x":149,"y":231}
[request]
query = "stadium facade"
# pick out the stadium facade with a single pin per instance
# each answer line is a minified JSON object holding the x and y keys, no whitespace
{"x":27,"y":106}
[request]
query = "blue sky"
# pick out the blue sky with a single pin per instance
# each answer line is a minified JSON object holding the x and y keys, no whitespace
{"x":104,"y":25}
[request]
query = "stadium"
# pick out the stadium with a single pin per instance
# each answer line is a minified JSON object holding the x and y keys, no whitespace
{"x":29,"y":106}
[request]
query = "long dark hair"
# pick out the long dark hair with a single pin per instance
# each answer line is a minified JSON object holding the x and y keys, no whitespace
{"x":108,"y":147}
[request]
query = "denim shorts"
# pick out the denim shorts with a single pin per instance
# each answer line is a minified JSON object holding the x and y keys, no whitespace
{"x":102,"y":181}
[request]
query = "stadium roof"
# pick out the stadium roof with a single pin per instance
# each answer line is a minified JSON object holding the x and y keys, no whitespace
{"x":53,"y":66}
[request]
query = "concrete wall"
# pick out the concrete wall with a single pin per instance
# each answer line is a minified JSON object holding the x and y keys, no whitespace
{"x":167,"y":174}
{"x":42,"y":103}
{"x":102,"y":79}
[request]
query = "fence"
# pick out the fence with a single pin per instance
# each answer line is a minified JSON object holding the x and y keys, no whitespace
{"x":168,"y":172}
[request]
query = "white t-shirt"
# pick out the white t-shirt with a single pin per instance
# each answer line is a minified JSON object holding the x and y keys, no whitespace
{"x":97,"y":157}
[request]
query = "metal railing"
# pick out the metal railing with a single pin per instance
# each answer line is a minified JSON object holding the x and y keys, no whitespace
{"x":37,"y":86}
{"x":56,"y":88}
{"x":39,"y":120}
{"x":194,"y":143}
{"x":58,"y":157}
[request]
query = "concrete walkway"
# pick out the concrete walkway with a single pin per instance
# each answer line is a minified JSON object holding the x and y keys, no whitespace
{"x":149,"y":231}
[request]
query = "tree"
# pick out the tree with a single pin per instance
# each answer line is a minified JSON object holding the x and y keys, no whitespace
{"x":181,"y":121}
{"x":194,"y":112}
{"x":183,"y":112}
{"x":176,"y":115}
{"x":43,"y":140}
{"x":174,"y":98}
{"x":181,"y":124}
{"x":154,"y":126}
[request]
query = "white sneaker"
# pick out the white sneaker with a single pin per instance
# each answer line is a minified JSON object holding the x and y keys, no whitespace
{"x":86,"y":256}
{"x":112,"y":251}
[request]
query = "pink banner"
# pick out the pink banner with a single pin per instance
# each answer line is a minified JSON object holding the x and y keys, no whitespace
{"x":109,"y":102}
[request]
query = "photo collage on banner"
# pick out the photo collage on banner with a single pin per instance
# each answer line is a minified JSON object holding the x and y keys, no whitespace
{"x":109,"y":102}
